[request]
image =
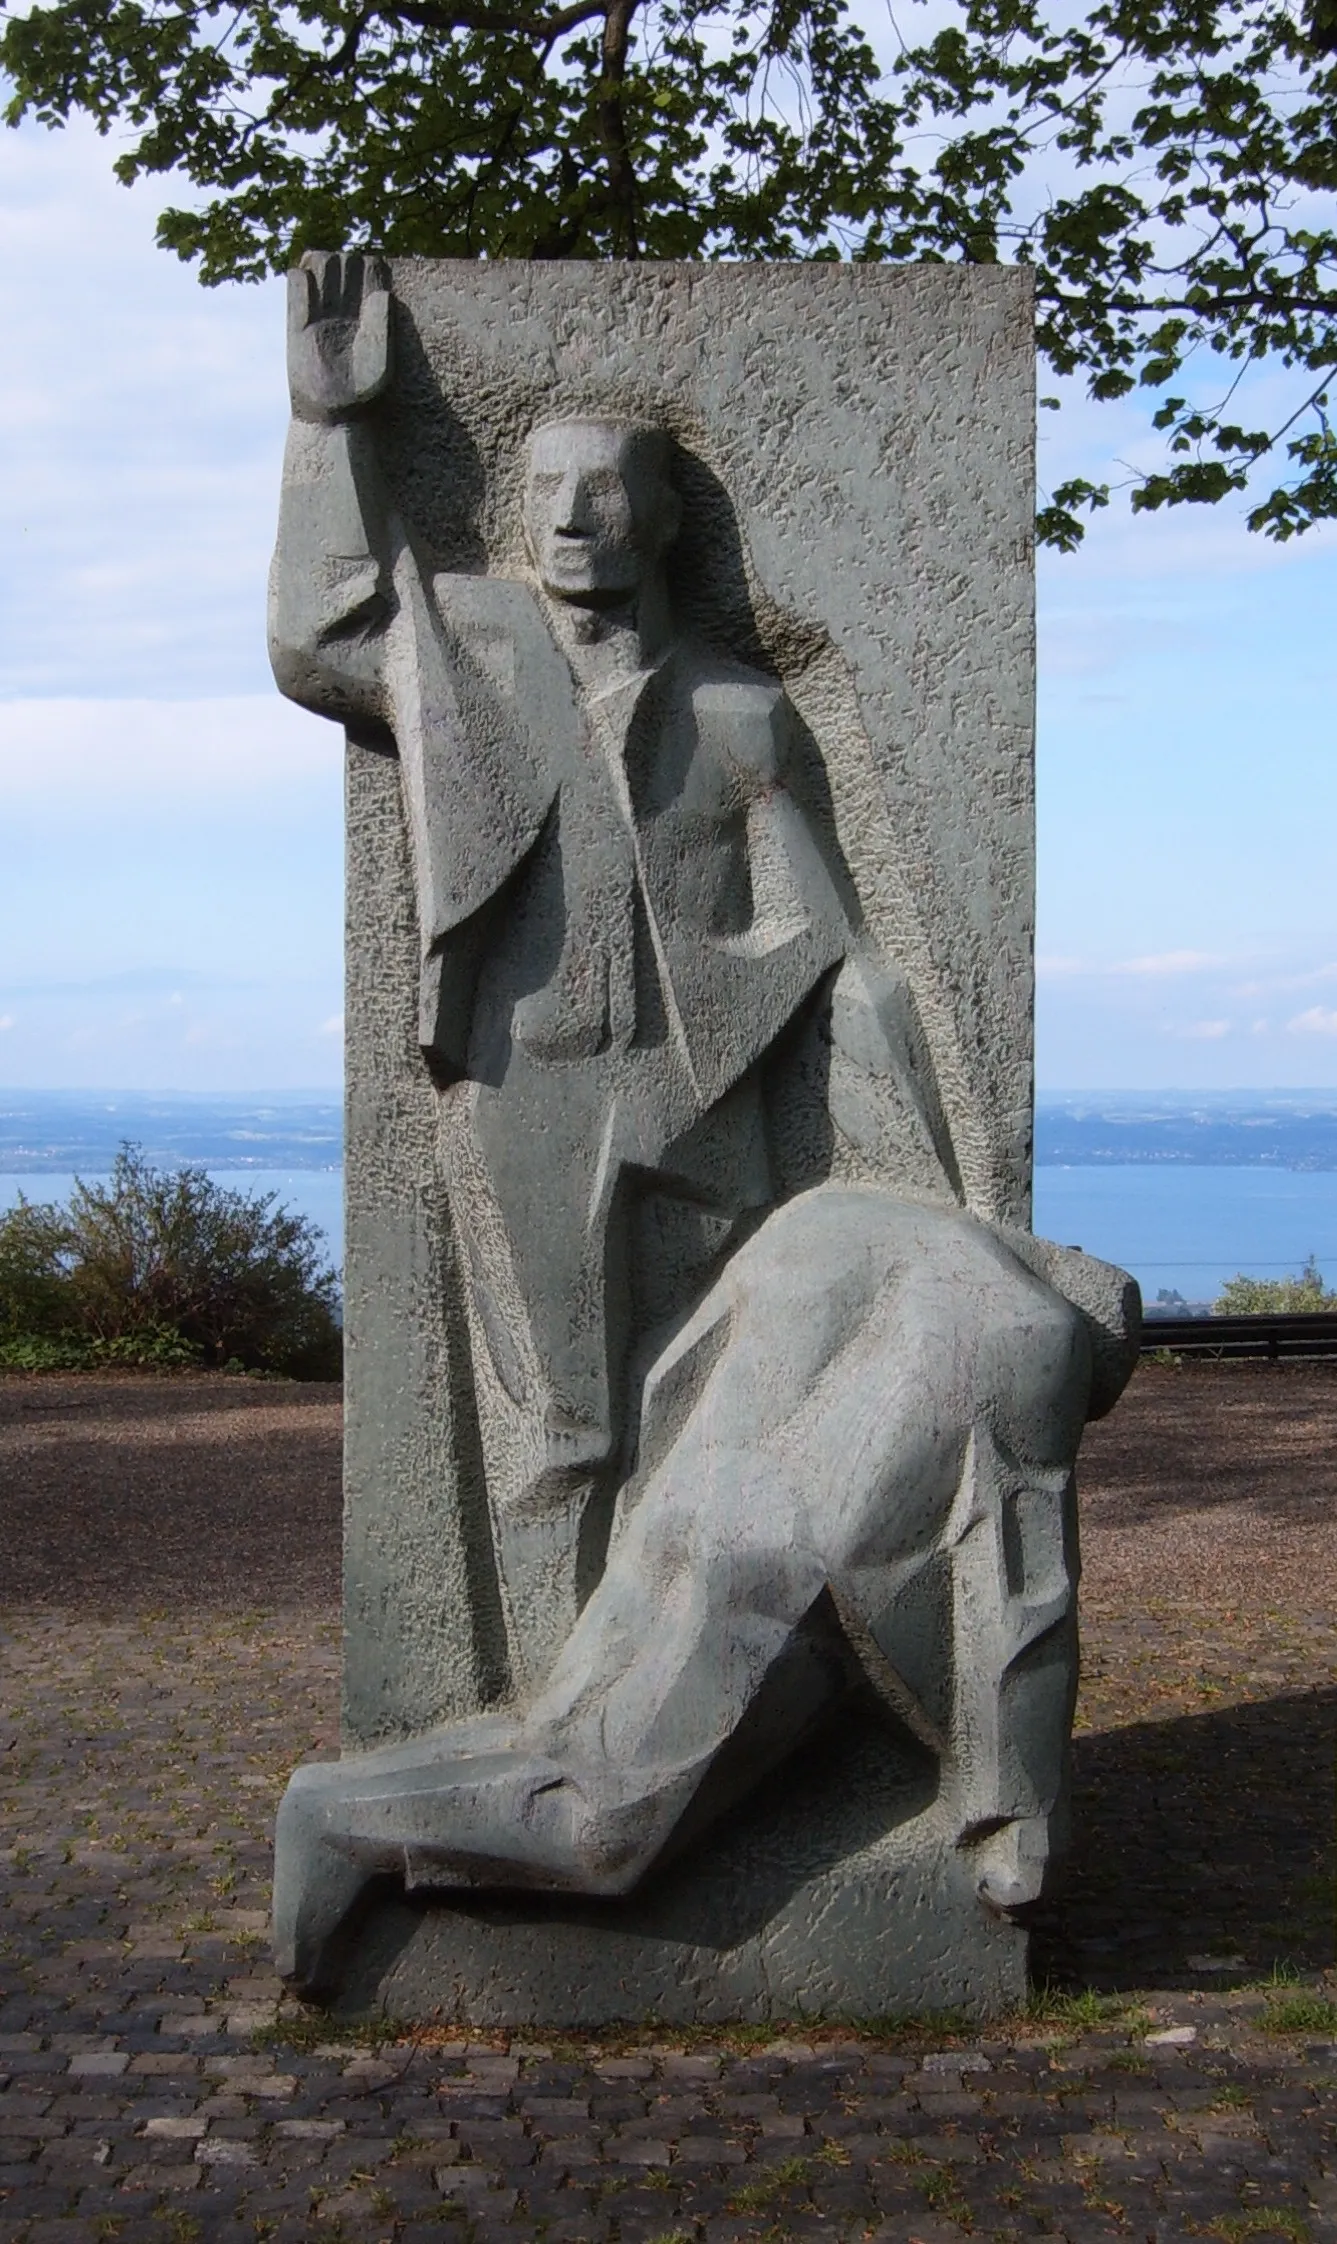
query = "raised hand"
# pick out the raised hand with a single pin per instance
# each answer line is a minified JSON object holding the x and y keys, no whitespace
{"x":338,"y":333}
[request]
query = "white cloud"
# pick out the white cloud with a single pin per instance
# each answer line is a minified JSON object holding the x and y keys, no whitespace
{"x":1206,"y":1032}
{"x":235,"y":1039}
{"x":145,"y":419}
{"x":167,"y":867}
{"x":1168,"y":962}
{"x":84,"y":753}
{"x":1317,"y":1020}
{"x":8,"y":1021}
{"x":1155,"y":966}
{"x":333,"y":1027}
{"x":1272,"y":984}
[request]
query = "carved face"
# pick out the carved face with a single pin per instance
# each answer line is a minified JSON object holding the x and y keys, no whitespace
{"x":599,"y":510}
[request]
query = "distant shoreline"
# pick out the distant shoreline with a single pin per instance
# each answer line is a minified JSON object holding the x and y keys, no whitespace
{"x":1183,"y":1191}
{"x":45,"y":1133}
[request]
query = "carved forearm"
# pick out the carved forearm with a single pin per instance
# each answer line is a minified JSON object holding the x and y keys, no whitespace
{"x":884,"y":1095}
{"x":329,"y":589}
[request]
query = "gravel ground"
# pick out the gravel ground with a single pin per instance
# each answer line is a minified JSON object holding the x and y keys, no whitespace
{"x":126,"y":1494}
{"x":170,"y":1567}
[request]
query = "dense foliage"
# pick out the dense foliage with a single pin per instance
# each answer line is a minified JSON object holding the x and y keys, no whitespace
{"x":1252,"y":1297}
{"x":165,"y":1268}
{"x":1166,"y":167}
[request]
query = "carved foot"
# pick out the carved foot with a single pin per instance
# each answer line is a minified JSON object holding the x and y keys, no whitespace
{"x":438,"y":1813}
{"x":336,"y":1831}
{"x":317,"y":1884}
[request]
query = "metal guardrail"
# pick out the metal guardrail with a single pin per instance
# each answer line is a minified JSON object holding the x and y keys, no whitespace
{"x":1269,"y":1339}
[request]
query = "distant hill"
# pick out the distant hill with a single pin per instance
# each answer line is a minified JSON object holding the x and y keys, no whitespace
{"x":1219,"y":1129}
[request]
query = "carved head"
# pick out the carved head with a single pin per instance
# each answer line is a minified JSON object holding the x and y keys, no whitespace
{"x":600,"y":511}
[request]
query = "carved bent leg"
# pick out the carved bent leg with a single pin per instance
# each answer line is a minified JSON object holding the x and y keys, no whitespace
{"x":1014,"y":1578}
{"x":873,"y":1397}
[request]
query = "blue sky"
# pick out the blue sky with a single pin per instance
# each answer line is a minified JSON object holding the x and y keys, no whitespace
{"x":170,"y":830}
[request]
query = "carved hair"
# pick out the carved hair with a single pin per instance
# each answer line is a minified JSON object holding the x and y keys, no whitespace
{"x":650,"y":447}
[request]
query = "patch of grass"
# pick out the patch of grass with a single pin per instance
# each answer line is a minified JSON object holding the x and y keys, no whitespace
{"x":1305,"y":2012}
{"x":304,"y":2031}
{"x":1260,"y":2220}
{"x":942,"y":2191}
{"x":182,"y":2228}
{"x":1127,"y":2061}
{"x":159,"y":1349}
{"x":754,"y":2197}
{"x":1281,"y":1975}
{"x":1083,"y":2009}
{"x":1318,"y":1886}
{"x":933,"y":2026}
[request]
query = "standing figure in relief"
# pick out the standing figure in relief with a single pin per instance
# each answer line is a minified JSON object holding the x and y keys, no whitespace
{"x":772,"y":1436}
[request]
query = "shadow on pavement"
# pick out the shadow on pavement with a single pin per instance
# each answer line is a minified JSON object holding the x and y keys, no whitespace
{"x":1209,"y":1836}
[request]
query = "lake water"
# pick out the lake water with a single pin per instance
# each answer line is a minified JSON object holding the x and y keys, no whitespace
{"x":1188,"y":1229}
{"x":1175,"y":1227}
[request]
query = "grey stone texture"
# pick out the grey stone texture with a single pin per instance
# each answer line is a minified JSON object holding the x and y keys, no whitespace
{"x":709,"y":1403}
{"x":821,"y":1896}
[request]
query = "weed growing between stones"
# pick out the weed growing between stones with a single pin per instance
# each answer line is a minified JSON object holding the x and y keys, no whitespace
{"x":1260,"y":2220}
{"x":1304,"y":2012}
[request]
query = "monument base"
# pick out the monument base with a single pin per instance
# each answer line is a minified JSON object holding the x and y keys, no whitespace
{"x":833,"y":1892}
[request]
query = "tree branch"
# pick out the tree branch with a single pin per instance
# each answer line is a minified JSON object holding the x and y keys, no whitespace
{"x":458,"y":17}
{"x":345,"y":54}
{"x":613,"y":127}
{"x":1248,"y":300}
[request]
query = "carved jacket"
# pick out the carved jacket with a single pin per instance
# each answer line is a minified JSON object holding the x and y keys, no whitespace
{"x":622,"y":908}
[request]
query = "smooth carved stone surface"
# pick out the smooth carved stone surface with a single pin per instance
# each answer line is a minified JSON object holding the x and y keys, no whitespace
{"x":707,"y":1394}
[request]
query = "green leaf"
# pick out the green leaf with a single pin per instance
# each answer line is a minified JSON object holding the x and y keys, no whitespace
{"x":1168,"y":174}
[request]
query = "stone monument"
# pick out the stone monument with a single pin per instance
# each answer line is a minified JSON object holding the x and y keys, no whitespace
{"x":710,"y":1539}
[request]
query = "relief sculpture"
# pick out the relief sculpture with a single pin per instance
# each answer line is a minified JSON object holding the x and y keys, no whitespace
{"x":772,"y":1423}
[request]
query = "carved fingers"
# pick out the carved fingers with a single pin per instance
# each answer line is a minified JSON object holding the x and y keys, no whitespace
{"x":338,"y":333}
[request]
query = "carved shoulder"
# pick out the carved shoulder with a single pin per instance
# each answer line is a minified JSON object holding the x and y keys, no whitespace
{"x":498,"y":627}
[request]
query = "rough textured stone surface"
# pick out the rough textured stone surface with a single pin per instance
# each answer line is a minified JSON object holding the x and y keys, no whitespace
{"x":705,"y":1383}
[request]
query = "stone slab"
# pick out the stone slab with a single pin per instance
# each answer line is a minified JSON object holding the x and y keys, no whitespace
{"x":862,"y":438}
{"x":830,"y":1894}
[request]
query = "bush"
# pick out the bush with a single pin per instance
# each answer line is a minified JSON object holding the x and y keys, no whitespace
{"x":1260,"y":1297}
{"x":162,"y":1268}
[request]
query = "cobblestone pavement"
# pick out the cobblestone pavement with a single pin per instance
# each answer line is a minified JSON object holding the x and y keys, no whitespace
{"x":153,"y":2085}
